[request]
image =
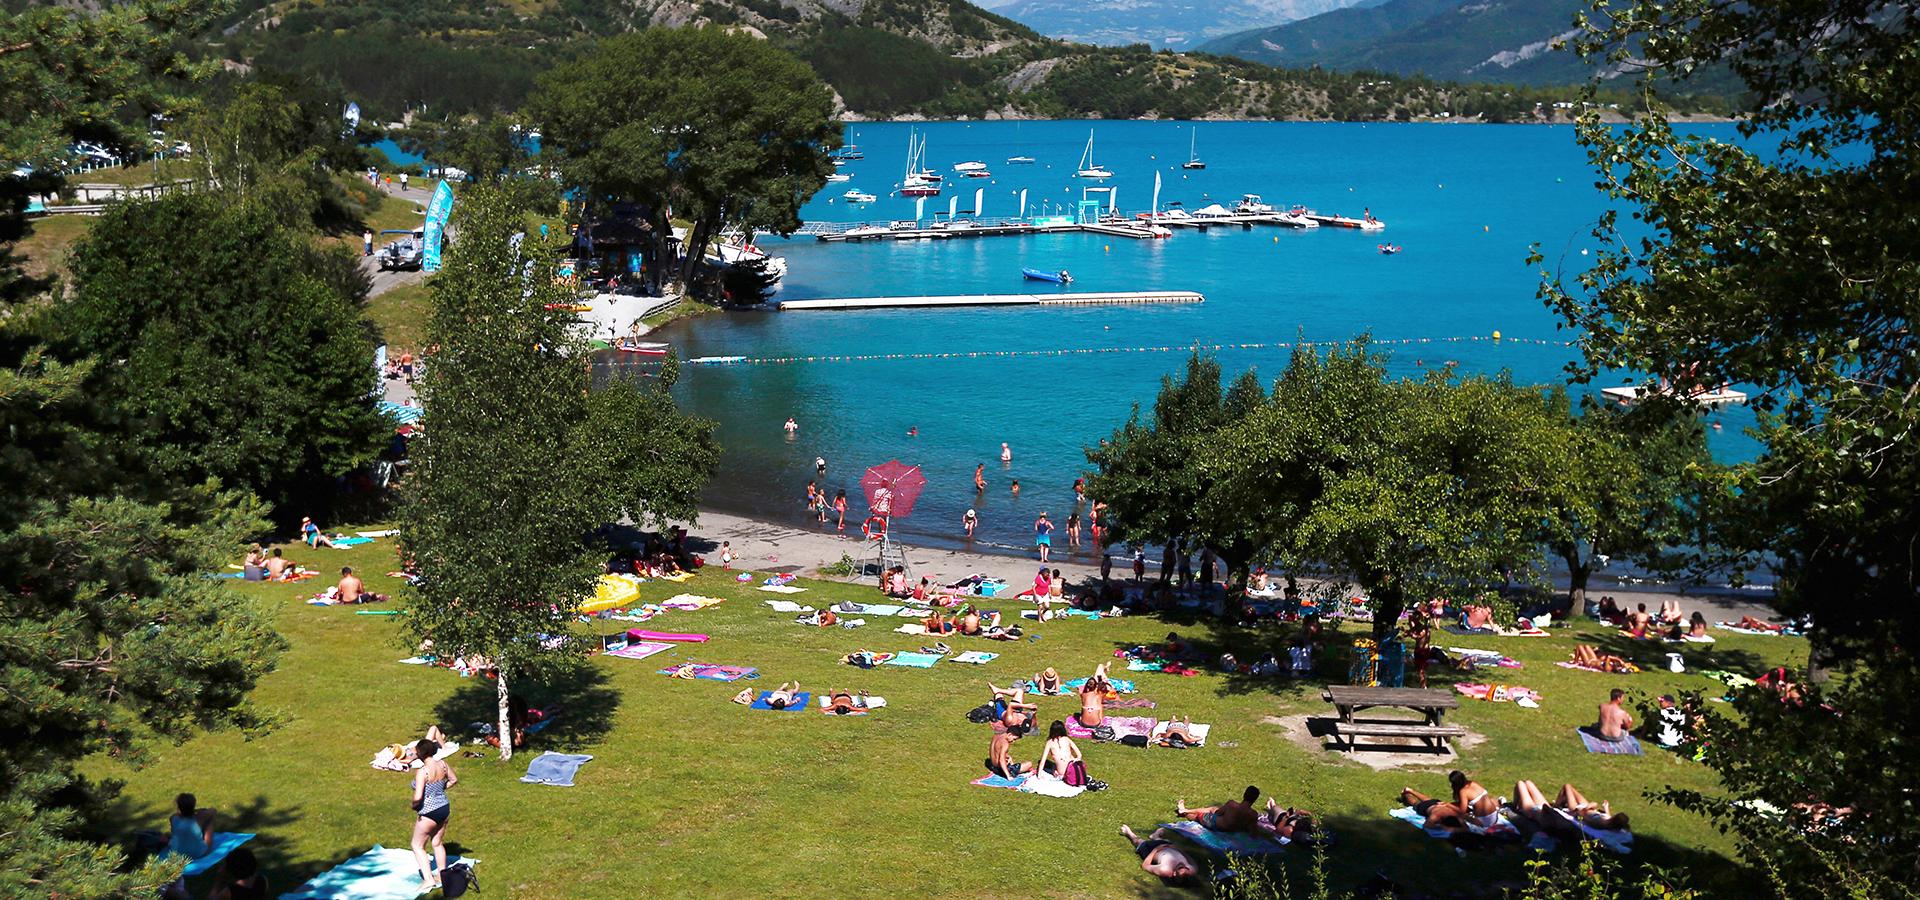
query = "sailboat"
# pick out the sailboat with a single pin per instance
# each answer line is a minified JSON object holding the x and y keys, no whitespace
{"x":1087,"y":167}
{"x":916,"y":183}
{"x":1193,"y":158}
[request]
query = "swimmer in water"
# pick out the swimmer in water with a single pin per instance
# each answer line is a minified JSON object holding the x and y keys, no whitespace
{"x":820,"y":464}
{"x":1016,"y":487}
{"x":792,"y":426}
{"x":980,"y":477}
{"x":1006,"y":453}
{"x":913,"y":431}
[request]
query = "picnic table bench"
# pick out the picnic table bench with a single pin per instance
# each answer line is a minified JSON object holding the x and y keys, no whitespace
{"x":1430,"y":728}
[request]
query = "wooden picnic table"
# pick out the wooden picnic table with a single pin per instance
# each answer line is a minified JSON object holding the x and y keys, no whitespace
{"x":1432,"y":706}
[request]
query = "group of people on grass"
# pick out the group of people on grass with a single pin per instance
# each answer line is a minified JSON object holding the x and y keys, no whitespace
{"x":1472,"y":809}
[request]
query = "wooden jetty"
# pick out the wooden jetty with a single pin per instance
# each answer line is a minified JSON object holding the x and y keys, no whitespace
{"x":1089,"y":298}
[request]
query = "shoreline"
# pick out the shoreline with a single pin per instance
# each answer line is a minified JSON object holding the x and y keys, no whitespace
{"x":760,"y":545}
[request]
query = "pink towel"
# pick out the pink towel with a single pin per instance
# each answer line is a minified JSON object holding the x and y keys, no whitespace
{"x":637,"y":634}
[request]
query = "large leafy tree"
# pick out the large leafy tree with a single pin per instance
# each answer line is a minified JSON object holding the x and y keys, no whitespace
{"x":238,"y":349}
{"x":522,"y":462}
{"x":704,"y":124}
{"x":278,"y":140}
{"x":1789,"y":262}
{"x":1409,"y":486}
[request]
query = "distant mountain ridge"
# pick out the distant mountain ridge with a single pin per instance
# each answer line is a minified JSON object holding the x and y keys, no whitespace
{"x":1515,"y":41}
{"x":1166,"y":24}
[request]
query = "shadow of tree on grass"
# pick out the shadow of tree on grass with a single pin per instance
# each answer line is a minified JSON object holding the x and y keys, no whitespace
{"x":577,"y":699}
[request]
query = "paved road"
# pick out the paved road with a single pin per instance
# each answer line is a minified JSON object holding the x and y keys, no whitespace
{"x":386,"y":281}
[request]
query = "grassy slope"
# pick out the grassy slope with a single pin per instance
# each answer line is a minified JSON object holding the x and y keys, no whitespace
{"x":401,"y":315}
{"x":44,"y":250}
{"x":690,"y":795}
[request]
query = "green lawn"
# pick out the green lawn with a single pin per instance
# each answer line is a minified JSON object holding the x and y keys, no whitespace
{"x":691,"y":795}
{"x":44,"y":249}
{"x":401,"y":315}
{"x":142,"y":173}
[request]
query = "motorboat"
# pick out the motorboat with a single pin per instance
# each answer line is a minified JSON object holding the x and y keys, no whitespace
{"x":862,"y":232}
{"x":1060,"y":277}
{"x":1193,"y":158}
{"x":858,"y":196}
{"x":1019,"y":160}
{"x":730,"y":252}
{"x":964,"y":167}
{"x":1088,"y":168}
{"x":644,"y":348}
{"x":1251,"y":205}
{"x":849,"y":152}
{"x":839,"y":176}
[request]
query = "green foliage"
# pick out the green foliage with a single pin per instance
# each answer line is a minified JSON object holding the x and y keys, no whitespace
{"x":490,"y":151}
{"x":727,"y":131}
{"x":917,"y":74}
{"x":278,"y":141}
{"x":1590,"y":874}
{"x":522,"y":462}
{"x":239,"y":349}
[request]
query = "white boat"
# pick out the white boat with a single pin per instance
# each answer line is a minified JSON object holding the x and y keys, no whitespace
{"x":1704,"y":396}
{"x":860,"y":232}
{"x":1211,"y":211}
{"x":1193,"y":156}
{"x":858,"y":196}
{"x":1019,"y":160}
{"x":728,"y":253}
{"x":918,"y":182}
{"x":970,"y":167}
{"x":1089,"y":169}
{"x":837,"y":176}
{"x":978,"y":173}
{"x":1251,"y":205}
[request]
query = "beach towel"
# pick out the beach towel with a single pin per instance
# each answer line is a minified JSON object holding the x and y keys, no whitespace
{"x":1735,"y":628}
{"x":1143,"y":665}
{"x":676,"y":578}
{"x":1501,"y":693}
{"x":378,"y":874}
{"x":689,"y":601}
{"x":639,"y":649}
{"x":1484,"y":657}
{"x":1130,"y":703}
{"x":342,"y":543}
{"x":1503,"y":829}
{"x":711,"y":673}
{"x":1628,"y":747}
{"x":417,"y":661}
{"x":1614,"y":839}
{"x":223,"y":844}
{"x":1048,"y":786}
{"x":1244,"y":843}
{"x":916,"y":660}
{"x":977,"y":657}
{"x":639,"y":634}
{"x":556,"y":769}
{"x":788,"y":606}
{"x":912,"y":628}
{"x":799,"y":702}
{"x":385,"y":532}
{"x":1457,"y":628}
{"x":385,"y":760}
{"x":861,"y":705}
{"x":1119,"y":685}
{"x":377,"y":612}
{"x":1122,"y":726}
{"x":1631,"y":668}
{"x":995,"y":781}
{"x":781,"y":589}
{"x":1198,"y":731}
{"x":1690,"y":639}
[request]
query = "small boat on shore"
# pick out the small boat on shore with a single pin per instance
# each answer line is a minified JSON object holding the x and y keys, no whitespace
{"x":1060,"y":277}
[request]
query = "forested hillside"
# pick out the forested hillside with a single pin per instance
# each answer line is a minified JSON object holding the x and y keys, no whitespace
{"x":885,"y":58}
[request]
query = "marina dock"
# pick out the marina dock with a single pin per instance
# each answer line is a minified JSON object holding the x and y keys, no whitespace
{"x":1109,"y":298}
{"x":842,"y":232}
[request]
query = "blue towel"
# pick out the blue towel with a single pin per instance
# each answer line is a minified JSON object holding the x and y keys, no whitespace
{"x":916,"y":660}
{"x":995,"y":781}
{"x":1244,"y":843}
{"x":378,"y":874}
{"x":799,"y":701}
{"x":1120,"y":685}
{"x":1595,"y":744}
{"x":556,"y":769}
{"x":223,"y":844}
{"x":351,"y":541}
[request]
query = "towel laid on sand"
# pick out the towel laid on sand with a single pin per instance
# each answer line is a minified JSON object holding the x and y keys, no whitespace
{"x":378,"y":874}
{"x":711,"y":673}
{"x":556,"y":769}
{"x":977,"y":657}
{"x":1244,"y":843}
{"x":799,"y":702}
{"x":223,"y":844}
{"x":915,"y":660}
{"x":782,"y":589}
{"x":640,"y":649}
{"x":1596,"y":744}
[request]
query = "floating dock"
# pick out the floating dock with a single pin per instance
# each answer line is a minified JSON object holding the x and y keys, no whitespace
{"x":848,"y":232}
{"x":1110,"y":298}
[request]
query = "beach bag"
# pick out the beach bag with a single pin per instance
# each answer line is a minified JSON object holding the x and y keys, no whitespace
{"x":457,"y":879}
{"x":1075,"y":775}
{"x":1103,"y":732}
{"x":980,"y":715}
{"x":1134,"y":740}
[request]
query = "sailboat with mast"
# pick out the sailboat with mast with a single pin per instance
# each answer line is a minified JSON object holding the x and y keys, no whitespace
{"x":1089,"y":169}
{"x":1193,"y":156}
{"x":916,"y":182}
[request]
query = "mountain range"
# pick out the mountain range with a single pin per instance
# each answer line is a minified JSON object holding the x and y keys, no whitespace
{"x":1510,"y":41}
{"x":1169,"y":24}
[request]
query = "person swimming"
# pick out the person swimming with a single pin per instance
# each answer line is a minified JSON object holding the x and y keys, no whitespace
{"x":1006,"y":453}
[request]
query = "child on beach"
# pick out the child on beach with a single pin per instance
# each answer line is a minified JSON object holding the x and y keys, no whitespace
{"x":970,"y":522}
{"x":840,"y":508}
{"x":726,"y":555}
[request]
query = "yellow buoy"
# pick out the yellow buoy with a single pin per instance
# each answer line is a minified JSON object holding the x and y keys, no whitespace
{"x":1109,"y":248}
{"x":1496,"y":335}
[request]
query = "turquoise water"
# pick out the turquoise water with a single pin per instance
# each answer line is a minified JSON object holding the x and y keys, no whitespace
{"x":1465,"y":201}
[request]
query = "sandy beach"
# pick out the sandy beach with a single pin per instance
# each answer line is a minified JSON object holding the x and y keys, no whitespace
{"x":764,"y":547}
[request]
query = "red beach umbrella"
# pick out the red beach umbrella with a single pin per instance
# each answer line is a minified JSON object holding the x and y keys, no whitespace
{"x":892,"y":487}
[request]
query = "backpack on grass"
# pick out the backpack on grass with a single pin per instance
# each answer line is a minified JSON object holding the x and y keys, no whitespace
{"x":457,"y":879}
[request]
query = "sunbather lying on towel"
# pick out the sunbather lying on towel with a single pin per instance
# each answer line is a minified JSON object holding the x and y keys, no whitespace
{"x":1752,"y":624}
{"x":1533,"y":807}
{"x":841,"y":703}
{"x":822,"y":618}
{"x":1158,"y":856}
{"x":1471,"y":803}
{"x":1011,"y":709}
{"x":1180,"y":734}
{"x":1598,"y":816}
{"x":1586,"y":657}
{"x":783,"y":698}
{"x":1233,"y":815}
{"x":1285,"y":824}
{"x":937,"y":623}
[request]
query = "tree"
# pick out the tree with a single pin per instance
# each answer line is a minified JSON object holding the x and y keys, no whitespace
{"x":1633,"y":489}
{"x":237,"y":352}
{"x":521,"y":462}
{"x":278,"y":141}
{"x":1408,"y":487}
{"x":709,"y":125}
{"x":491,"y":151}
{"x":1788,"y":262}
